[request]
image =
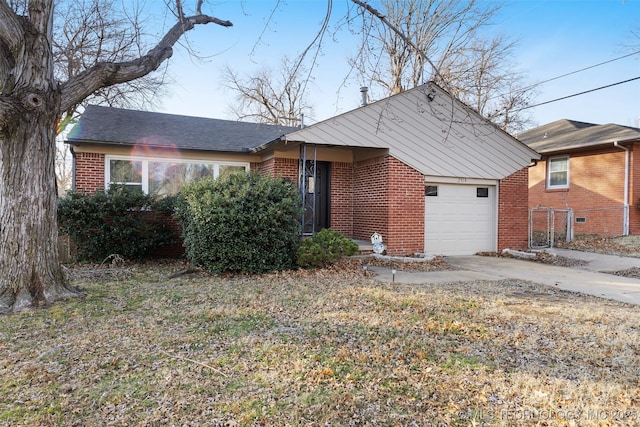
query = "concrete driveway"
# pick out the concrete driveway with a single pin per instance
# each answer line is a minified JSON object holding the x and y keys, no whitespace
{"x":587,"y":279}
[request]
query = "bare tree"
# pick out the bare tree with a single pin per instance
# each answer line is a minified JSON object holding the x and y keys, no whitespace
{"x":32,"y":101}
{"x":268,"y":96}
{"x":63,"y":168}
{"x":87,"y":32}
{"x":412,"y":41}
{"x":483,"y":77}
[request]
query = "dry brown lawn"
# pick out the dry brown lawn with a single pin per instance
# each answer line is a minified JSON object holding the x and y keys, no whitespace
{"x":329,"y":347}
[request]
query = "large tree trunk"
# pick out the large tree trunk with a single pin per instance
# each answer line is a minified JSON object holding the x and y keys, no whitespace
{"x":30,"y":272}
{"x":31,"y":102}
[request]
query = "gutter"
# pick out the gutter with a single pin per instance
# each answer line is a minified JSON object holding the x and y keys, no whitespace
{"x":282,"y":139}
{"x":627,"y":160}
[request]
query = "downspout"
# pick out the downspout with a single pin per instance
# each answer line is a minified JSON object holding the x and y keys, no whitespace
{"x":627,"y":160}
{"x":73,"y":168}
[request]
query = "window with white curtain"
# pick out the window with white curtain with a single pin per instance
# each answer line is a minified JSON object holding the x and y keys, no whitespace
{"x":558,"y":172}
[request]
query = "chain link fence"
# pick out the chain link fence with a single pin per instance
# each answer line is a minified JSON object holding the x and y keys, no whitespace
{"x":548,"y":226}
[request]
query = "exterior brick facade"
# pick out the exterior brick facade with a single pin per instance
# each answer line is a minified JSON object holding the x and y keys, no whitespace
{"x":89,"y":172}
{"x":406,"y":209}
{"x":634,"y":190}
{"x":595,"y":192}
{"x":370,"y":204}
{"x":379,"y":194}
{"x":389,"y":199}
{"x":273,"y":167}
{"x":341,"y":198}
{"x":513,"y":207}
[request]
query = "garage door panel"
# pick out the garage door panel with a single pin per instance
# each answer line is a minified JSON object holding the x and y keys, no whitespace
{"x":458,"y":222}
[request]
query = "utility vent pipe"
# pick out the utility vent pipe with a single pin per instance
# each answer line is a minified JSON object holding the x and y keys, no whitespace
{"x":363,"y":91}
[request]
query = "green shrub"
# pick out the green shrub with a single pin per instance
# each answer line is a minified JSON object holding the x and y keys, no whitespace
{"x":117,"y":221}
{"x":240,"y":223}
{"x":325,"y":248}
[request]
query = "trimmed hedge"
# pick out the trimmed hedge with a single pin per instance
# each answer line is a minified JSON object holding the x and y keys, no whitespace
{"x":117,"y":221}
{"x":240,"y":223}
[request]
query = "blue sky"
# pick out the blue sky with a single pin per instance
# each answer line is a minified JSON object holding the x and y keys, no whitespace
{"x":554,"y":37}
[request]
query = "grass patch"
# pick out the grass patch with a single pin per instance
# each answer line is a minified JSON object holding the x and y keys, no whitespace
{"x":315,"y":348}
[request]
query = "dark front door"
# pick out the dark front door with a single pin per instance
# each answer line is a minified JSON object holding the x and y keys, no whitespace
{"x":316,"y":198}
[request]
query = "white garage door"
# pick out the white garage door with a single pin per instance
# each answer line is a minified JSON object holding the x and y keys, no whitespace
{"x":460,"y":219}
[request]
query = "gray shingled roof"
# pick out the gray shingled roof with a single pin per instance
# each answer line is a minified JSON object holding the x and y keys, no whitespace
{"x":117,"y":126}
{"x":564,"y":135}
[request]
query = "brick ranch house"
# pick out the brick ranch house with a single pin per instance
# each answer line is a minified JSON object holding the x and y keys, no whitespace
{"x":593,"y":170}
{"x":421,"y":168}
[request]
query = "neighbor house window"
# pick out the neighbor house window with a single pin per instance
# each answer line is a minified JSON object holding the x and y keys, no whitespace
{"x":161,"y":177}
{"x":558,"y":172}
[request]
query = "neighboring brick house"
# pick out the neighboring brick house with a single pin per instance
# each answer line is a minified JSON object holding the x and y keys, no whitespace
{"x":422,"y":169}
{"x":592,"y":170}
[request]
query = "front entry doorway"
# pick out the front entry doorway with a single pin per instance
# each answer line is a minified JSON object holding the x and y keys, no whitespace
{"x":316,"y":197}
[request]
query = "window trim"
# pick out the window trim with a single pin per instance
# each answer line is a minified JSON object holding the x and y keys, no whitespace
{"x":127,"y":183}
{"x":145,"y":166}
{"x":561,"y":186}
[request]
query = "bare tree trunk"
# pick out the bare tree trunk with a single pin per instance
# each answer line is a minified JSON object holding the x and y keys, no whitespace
{"x":31,"y":103}
{"x":30,"y":274}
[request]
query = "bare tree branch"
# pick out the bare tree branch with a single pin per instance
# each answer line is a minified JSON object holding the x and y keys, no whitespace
{"x":10,"y":28}
{"x":446,"y":34}
{"x":107,"y":74}
{"x":270,"y":97}
{"x":89,"y":32}
{"x":399,"y":33}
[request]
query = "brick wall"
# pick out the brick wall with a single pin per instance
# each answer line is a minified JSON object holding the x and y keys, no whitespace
{"x":377,"y":195}
{"x":513,"y":211}
{"x":634,"y":190}
{"x":596,"y":191}
{"x":406,"y":209}
{"x":264,"y":168}
{"x":389,"y":199}
{"x":370,"y":204}
{"x":341,"y":198}
{"x":89,"y":170}
{"x":286,"y":168}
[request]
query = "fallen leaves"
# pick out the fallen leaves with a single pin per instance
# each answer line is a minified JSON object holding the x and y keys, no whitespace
{"x":322,"y":347}
{"x":619,"y":245}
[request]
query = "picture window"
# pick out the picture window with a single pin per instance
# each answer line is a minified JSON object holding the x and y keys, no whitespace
{"x":162,"y":177}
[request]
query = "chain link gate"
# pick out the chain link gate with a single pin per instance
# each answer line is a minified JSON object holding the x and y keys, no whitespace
{"x":549,"y":225}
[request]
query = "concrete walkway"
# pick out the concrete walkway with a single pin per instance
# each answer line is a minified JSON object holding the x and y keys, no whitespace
{"x":587,"y":279}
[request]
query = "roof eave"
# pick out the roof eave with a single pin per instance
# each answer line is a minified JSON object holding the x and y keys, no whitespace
{"x":282,"y":140}
{"x":589,"y":146}
{"x":80,"y":142}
